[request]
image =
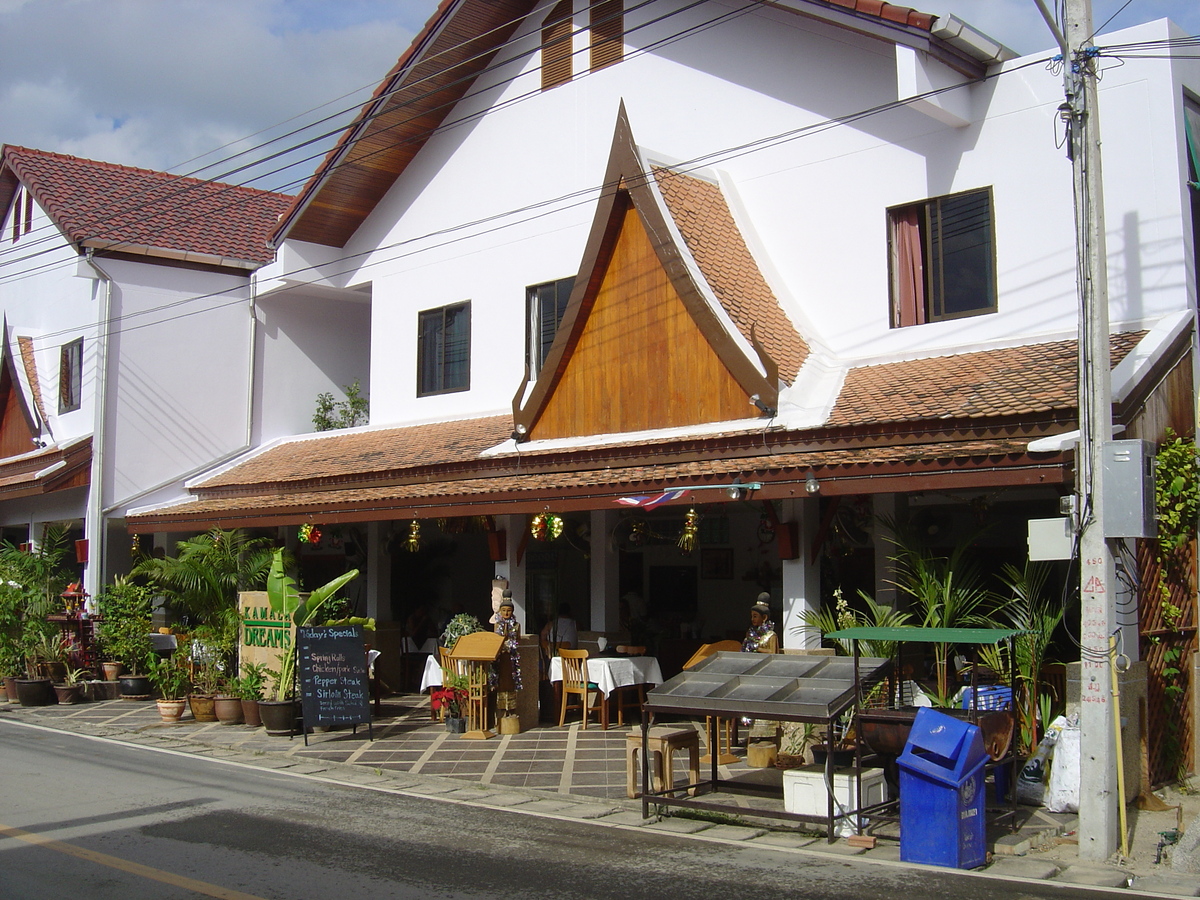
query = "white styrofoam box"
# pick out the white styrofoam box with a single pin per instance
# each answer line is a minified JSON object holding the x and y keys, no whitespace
{"x":804,"y":790}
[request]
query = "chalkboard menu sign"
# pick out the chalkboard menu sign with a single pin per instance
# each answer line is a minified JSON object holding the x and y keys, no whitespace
{"x":334,"y":688}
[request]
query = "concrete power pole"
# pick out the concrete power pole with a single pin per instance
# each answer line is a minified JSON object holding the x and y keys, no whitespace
{"x":1098,"y":795}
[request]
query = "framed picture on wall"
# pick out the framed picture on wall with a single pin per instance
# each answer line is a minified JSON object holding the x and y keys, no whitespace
{"x":716,"y":563}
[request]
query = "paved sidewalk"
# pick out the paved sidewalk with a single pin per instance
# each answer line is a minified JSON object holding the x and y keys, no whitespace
{"x":580,"y":774}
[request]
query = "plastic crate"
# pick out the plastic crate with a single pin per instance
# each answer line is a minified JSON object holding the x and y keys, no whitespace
{"x":991,"y":696}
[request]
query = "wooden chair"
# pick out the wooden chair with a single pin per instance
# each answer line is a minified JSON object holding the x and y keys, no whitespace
{"x":629,"y":696}
{"x":575,"y":682}
{"x":721,"y":733}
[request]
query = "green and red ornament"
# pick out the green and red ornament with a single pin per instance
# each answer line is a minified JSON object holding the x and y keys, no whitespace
{"x":309,"y":534}
{"x":546,"y":527}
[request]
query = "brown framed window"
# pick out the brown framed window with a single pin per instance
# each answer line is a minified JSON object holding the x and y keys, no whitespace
{"x":941,"y":258}
{"x":70,"y":376}
{"x":556,"y":46}
{"x":607,"y":27}
{"x":544,"y":308}
{"x":444,"y":349}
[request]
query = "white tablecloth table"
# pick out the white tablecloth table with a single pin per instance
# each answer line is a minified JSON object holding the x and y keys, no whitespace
{"x":611,"y":672}
{"x":432,"y":676}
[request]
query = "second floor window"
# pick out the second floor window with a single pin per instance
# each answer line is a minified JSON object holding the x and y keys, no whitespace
{"x":70,"y":376}
{"x":942,"y":258}
{"x":544,"y":305}
{"x":444,"y":349}
{"x":607,"y":27}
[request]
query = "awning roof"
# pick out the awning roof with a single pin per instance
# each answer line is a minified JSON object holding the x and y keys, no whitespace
{"x":53,"y":468}
{"x":917,"y":635}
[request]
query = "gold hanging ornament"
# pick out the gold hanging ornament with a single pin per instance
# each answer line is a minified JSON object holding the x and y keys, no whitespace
{"x":691,"y":523}
{"x":413,"y":542}
{"x":545,"y":526}
{"x":135,"y":545}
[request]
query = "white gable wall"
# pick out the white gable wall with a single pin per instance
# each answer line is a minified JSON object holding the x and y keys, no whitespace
{"x":816,"y":204}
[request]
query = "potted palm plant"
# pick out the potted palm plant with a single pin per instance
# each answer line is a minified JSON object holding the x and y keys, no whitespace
{"x":171,"y":681}
{"x":250,"y":686}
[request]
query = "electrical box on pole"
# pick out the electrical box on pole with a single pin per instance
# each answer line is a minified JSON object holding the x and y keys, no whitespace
{"x":1129,"y":490}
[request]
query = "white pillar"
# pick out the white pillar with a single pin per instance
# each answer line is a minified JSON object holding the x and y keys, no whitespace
{"x":801,"y":576}
{"x":605,"y":573}
{"x":514,"y":527}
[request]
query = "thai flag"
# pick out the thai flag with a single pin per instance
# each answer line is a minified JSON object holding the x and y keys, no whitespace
{"x":649,"y":502}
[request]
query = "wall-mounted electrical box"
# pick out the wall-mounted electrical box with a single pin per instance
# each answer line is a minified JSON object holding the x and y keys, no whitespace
{"x":1129,"y":489}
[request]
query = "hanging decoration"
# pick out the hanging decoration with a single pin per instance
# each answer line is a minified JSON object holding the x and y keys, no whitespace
{"x":691,"y":525}
{"x":546,"y":526}
{"x":413,"y":542}
{"x":309,"y":534}
{"x":135,"y":545}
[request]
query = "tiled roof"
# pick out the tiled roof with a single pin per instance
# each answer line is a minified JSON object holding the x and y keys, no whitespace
{"x":590,"y":487}
{"x":25,"y":345}
{"x":1009,"y":382}
{"x":699,"y":209}
{"x":47,"y":469}
{"x":889,"y":12}
{"x":367,"y":454}
{"x":103,"y":203}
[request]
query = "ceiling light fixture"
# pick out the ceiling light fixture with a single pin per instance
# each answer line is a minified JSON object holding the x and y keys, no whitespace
{"x":811,"y":484}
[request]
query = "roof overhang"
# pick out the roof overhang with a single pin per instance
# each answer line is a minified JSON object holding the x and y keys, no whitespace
{"x":47,"y":469}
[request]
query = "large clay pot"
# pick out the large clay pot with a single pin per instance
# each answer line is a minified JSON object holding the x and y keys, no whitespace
{"x":171,"y":711}
{"x":135,"y":687}
{"x":279,"y":716}
{"x":10,"y":688}
{"x":55,"y":671}
{"x":68,"y":694}
{"x":250,"y":713}
{"x":228,"y":709}
{"x":203,"y":707}
{"x":35,"y":691}
{"x":112,"y":670}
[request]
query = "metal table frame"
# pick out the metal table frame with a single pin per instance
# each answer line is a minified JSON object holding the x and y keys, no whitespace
{"x":659,"y":701}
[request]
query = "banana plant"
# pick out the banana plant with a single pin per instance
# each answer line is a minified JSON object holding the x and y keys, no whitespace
{"x":285,"y":597}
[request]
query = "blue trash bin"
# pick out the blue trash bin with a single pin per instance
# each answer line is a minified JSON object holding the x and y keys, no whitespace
{"x":942,"y":792}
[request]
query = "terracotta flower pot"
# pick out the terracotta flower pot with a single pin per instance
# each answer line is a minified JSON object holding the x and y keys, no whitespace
{"x":10,"y":688}
{"x":228,"y":710}
{"x":112,"y":670}
{"x":250,"y":713}
{"x":171,"y":711}
{"x":203,"y":707}
{"x":68,"y":694}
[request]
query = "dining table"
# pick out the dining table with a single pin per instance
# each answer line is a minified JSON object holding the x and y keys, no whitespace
{"x":611,"y":672}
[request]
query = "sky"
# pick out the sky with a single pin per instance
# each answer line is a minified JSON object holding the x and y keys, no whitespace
{"x":183,"y":85}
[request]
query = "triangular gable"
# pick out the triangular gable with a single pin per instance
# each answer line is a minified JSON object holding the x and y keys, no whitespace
{"x":18,"y":427}
{"x":641,"y":345}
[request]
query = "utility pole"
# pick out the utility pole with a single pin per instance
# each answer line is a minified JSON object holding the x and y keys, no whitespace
{"x":1098,"y":795}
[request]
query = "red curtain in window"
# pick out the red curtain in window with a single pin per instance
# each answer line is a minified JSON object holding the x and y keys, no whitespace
{"x":908,"y":266}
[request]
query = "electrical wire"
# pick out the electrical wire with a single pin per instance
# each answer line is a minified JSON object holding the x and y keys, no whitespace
{"x":424,"y":135}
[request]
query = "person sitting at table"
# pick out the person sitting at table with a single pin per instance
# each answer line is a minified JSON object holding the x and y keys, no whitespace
{"x":561,"y":629}
{"x":508,"y":662}
{"x":761,"y":636}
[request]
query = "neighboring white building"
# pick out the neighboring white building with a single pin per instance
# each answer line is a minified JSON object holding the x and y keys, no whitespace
{"x":825,"y":247}
{"x":148,"y":278}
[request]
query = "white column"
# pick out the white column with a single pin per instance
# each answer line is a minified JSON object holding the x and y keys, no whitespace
{"x":605,"y":573}
{"x":801,"y":576}
{"x":514,"y":527}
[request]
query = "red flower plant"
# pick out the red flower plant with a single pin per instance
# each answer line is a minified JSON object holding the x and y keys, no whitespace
{"x":449,"y":699}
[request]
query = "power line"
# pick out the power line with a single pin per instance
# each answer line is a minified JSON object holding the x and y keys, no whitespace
{"x":420,"y":136}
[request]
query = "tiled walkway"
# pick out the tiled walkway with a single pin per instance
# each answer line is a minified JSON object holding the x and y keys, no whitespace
{"x":567,"y":760}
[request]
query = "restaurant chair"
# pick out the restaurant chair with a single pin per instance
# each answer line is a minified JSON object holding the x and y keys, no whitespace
{"x":575,"y":682}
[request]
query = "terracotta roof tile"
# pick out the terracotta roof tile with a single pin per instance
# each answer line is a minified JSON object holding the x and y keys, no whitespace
{"x":699,"y":209}
{"x":890,"y":12}
{"x":101,"y":201}
{"x":368,"y":454}
{"x":25,"y":345}
{"x":1008,"y":382}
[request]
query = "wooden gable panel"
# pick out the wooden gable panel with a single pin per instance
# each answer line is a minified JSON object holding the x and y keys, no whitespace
{"x":641,"y":361}
{"x":16,"y":437}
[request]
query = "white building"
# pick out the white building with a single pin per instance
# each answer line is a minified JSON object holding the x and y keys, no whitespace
{"x":824,"y":248}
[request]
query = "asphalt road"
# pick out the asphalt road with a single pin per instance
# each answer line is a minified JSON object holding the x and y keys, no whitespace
{"x":91,"y":819}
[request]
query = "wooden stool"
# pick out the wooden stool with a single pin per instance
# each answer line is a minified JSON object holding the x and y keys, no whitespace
{"x":663,"y":740}
{"x":720,"y":738}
